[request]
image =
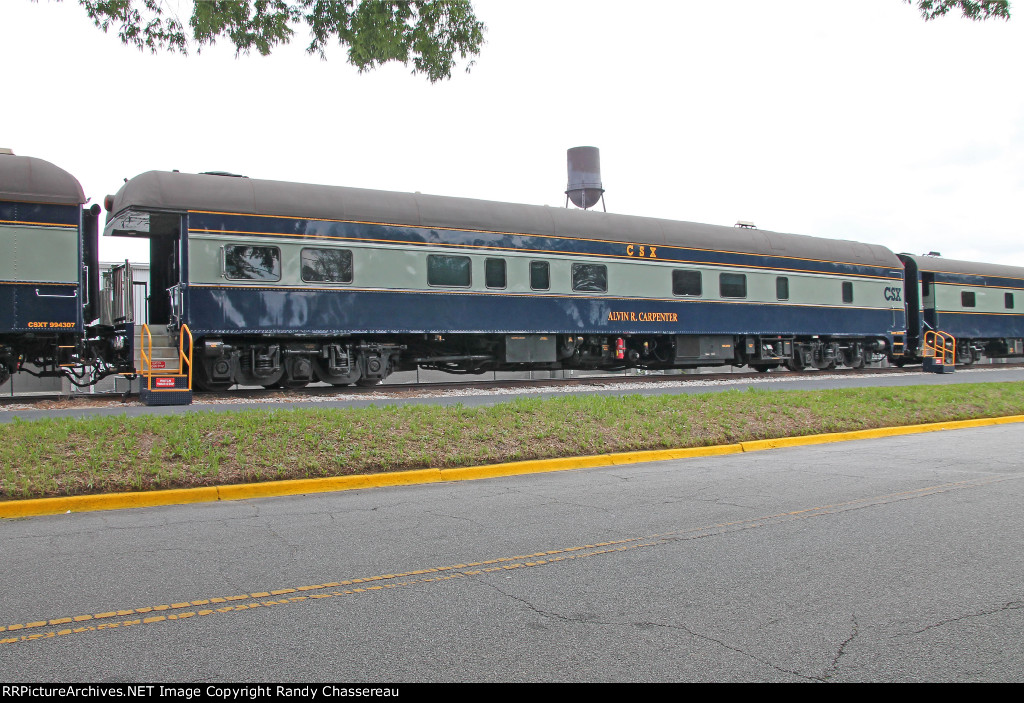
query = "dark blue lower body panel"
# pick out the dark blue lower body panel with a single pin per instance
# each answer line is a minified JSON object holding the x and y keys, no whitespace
{"x":249,"y":310}
{"x":40,"y":307}
{"x":981,"y":326}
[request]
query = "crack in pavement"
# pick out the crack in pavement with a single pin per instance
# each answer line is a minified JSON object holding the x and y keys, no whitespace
{"x":648,"y":624}
{"x":841,"y":652}
{"x":1012,"y":605}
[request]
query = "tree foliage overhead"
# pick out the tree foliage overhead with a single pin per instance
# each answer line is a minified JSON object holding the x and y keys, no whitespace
{"x":427,"y":33}
{"x":971,"y":9}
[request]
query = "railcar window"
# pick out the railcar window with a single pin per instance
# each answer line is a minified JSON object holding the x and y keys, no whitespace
{"x":847,"y":292}
{"x":494,"y":273}
{"x":732,"y":285}
{"x":451,"y":271}
{"x":686,"y":283}
{"x":967,"y":298}
{"x":540,"y":275}
{"x":590,"y":278}
{"x":326,"y":265}
{"x":1008,"y":300}
{"x":782,"y":288}
{"x":242,"y":263}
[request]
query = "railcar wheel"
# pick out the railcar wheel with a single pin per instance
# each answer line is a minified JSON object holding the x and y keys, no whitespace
{"x":368,"y":382}
{"x":298,"y":372}
{"x":857,"y":362}
{"x":324,"y":375}
{"x":271,"y":380}
{"x":201,"y":378}
{"x":964,"y":356}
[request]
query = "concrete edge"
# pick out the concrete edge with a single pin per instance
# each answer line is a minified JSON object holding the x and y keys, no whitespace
{"x":118,"y":501}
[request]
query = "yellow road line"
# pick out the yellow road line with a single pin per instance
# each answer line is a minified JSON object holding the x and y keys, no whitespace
{"x":117,"y":501}
{"x":146,"y":615}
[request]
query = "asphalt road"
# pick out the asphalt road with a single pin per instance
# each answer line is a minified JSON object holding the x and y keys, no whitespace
{"x":895,"y":559}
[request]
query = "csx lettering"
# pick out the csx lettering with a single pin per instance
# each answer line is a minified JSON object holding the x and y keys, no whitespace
{"x":894,"y":294}
{"x":51,"y":325}
{"x":642,"y":251}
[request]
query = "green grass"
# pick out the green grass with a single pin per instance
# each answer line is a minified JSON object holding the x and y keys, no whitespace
{"x":63,"y":457}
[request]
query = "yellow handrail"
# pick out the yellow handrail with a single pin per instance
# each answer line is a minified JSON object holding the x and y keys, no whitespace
{"x":147,"y":363}
{"x":946,"y":349}
{"x":184,"y":358}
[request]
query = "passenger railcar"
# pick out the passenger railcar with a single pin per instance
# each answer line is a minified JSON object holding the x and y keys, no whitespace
{"x":978,"y":304}
{"x":49,"y":278}
{"x":285,"y":283}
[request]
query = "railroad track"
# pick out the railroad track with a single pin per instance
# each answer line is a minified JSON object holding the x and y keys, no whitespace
{"x":399,"y":390}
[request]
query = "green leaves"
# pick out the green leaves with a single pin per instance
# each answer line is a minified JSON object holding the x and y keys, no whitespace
{"x":971,"y":9}
{"x":142,"y":23}
{"x":431,"y":34}
{"x":260,"y":25}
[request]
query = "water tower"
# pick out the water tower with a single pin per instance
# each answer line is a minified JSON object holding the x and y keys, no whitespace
{"x":584,"y":189}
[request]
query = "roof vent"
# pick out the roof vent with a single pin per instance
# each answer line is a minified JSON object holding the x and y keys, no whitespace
{"x":584,"y":189}
{"x":745,"y":224}
{"x":6,"y":151}
{"x":222,"y":173}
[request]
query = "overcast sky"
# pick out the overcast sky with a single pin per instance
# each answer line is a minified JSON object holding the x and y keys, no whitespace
{"x":848,"y":120}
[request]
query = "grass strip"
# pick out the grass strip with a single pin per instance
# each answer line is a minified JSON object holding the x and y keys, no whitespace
{"x":65,"y":457}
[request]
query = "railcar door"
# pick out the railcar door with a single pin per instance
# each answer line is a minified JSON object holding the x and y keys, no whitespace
{"x":931,"y":316}
{"x":165,"y":273}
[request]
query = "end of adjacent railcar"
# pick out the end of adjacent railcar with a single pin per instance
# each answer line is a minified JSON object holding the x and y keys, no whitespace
{"x":49,"y":278}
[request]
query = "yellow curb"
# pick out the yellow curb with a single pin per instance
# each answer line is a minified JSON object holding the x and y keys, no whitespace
{"x":117,"y":501}
{"x":782,"y":442}
{"x":324,"y":485}
{"x":106,"y":501}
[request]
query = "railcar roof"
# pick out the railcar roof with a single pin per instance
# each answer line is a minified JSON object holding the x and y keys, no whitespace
{"x":937,"y":264}
{"x":29,"y":180}
{"x":172,"y":191}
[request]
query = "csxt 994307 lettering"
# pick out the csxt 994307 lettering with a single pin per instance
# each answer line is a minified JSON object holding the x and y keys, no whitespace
{"x":286,"y":284}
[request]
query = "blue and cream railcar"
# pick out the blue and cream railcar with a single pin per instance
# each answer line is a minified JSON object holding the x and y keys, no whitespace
{"x":48,"y":242}
{"x":981,"y":305}
{"x":285,"y":283}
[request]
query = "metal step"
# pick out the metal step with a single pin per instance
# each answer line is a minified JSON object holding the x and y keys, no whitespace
{"x":164,"y":353}
{"x":165,"y":385}
{"x":163,"y":358}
